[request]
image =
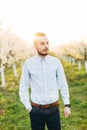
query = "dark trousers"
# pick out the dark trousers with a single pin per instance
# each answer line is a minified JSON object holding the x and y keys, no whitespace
{"x":49,"y":116}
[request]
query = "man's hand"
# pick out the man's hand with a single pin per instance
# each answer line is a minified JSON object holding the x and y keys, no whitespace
{"x":67,"y":111}
{"x":29,"y":110}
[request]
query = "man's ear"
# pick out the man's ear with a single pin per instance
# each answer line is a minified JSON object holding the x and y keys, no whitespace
{"x":35,"y":46}
{"x":35,"y":43}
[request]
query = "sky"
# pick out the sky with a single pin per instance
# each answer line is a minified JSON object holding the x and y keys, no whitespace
{"x":62,"y":20}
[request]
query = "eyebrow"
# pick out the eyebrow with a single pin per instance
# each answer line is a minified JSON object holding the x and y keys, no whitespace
{"x":44,"y":41}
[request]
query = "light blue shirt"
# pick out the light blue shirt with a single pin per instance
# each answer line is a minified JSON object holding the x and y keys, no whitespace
{"x":45,"y":76}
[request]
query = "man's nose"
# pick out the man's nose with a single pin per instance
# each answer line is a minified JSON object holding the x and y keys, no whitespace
{"x":46,"y":45}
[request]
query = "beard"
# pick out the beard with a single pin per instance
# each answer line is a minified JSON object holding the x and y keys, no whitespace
{"x":41,"y":53}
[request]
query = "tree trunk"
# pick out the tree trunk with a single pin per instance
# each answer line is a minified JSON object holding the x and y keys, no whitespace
{"x":2,"y":76}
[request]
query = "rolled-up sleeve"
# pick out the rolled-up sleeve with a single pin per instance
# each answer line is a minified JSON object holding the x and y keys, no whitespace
{"x":23,"y":87}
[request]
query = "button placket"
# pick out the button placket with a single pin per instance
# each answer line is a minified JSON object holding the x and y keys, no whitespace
{"x":44,"y":77}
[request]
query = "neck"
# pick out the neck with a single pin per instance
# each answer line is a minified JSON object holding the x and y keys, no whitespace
{"x":42,"y":56}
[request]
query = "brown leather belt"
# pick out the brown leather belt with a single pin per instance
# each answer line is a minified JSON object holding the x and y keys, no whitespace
{"x":45,"y":106}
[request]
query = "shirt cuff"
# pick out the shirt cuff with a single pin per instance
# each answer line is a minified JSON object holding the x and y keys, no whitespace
{"x":28,"y":106}
{"x":66,"y":101}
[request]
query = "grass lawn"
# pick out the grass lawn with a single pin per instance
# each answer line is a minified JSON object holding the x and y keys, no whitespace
{"x":13,"y":115}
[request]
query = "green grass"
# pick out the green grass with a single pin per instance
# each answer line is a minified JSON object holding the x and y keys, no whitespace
{"x":13,"y":115}
{"x":77,"y":81}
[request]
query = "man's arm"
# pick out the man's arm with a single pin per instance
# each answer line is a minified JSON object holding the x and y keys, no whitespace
{"x":23,"y":88}
{"x":63,"y":87}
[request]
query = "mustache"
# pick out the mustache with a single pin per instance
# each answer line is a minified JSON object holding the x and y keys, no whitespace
{"x":46,"y":49}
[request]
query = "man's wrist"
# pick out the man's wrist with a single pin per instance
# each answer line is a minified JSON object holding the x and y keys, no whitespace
{"x":67,"y":105}
{"x":29,"y":109}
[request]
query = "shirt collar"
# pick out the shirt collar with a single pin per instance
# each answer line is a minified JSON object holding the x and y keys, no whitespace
{"x":40,"y":58}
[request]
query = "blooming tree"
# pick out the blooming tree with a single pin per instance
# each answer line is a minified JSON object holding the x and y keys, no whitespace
{"x":13,"y":49}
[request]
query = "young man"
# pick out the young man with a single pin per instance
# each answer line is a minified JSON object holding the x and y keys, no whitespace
{"x":45,"y":75}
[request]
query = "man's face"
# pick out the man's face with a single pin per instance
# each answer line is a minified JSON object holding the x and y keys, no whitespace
{"x":42,"y":46}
